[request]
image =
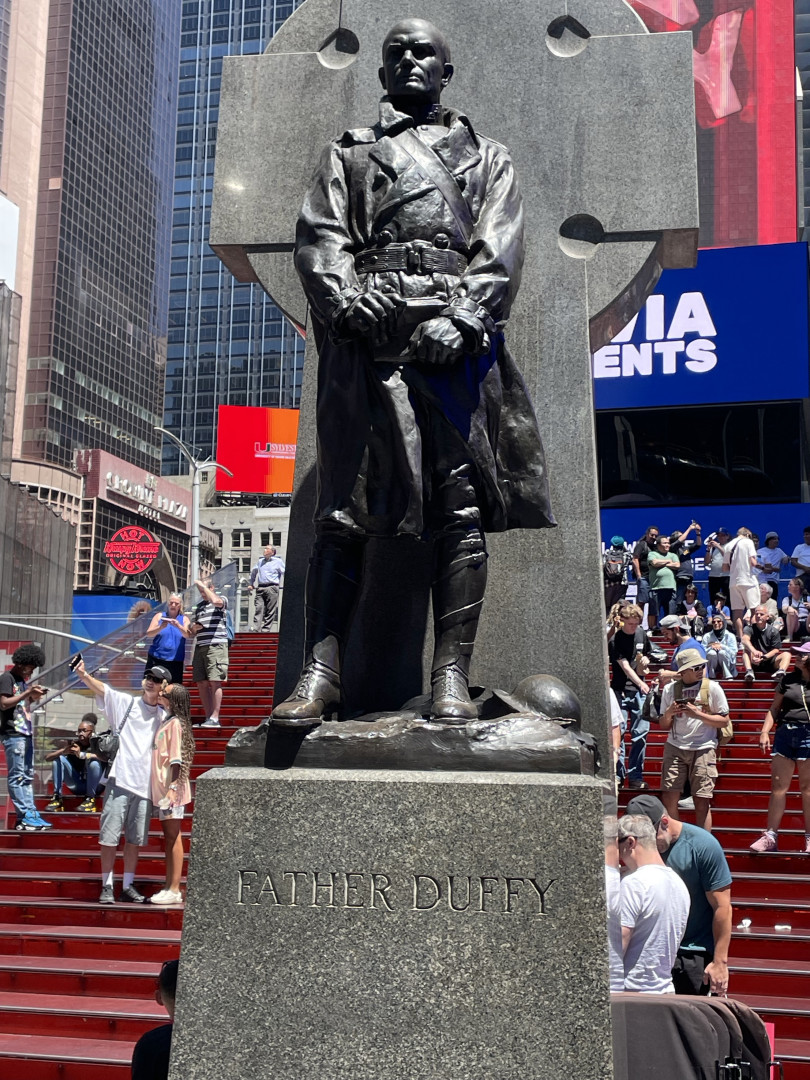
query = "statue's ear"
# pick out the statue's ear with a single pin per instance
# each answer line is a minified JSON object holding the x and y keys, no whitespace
{"x":448,"y":74}
{"x":381,"y":73}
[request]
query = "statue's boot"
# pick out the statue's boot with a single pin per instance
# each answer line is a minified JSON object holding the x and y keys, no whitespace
{"x":458,"y":595}
{"x":333,"y":585}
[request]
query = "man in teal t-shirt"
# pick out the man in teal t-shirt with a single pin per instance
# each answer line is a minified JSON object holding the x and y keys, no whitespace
{"x":663,"y":565}
{"x":697,"y":858}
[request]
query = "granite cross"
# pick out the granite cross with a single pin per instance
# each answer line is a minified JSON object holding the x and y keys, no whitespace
{"x":599,"y":118}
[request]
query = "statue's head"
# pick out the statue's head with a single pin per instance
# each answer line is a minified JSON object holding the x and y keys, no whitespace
{"x":416,"y":61}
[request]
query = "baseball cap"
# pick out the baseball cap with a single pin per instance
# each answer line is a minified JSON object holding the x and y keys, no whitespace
{"x":689,"y":658}
{"x":158,"y":671}
{"x":722,"y":530}
{"x":649,"y":805}
{"x":672,"y":622}
{"x":617,"y":541}
{"x":771,"y":536}
{"x":802,"y":649}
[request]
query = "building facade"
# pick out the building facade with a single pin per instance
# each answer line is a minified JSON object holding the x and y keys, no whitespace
{"x":228,"y":343}
{"x":98,"y":306}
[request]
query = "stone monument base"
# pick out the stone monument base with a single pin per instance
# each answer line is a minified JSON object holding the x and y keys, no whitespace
{"x":385,"y":925}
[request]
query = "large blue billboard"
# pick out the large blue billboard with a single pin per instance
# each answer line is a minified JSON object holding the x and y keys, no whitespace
{"x":735,"y":328}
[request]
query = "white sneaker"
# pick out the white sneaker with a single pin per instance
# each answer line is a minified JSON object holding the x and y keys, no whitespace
{"x":166,"y":897}
{"x":211,"y":722}
{"x":686,"y":804}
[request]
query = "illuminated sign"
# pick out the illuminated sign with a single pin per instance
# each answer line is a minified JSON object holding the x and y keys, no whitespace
{"x":258,"y":446}
{"x":733,"y":329}
{"x":132,"y":550}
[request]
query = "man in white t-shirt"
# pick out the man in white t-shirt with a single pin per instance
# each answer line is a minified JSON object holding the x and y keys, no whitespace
{"x":801,"y":557}
{"x":741,"y":558}
{"x":127,"y":805}
{"x":654,"y":909}
{"x":693,"y":710}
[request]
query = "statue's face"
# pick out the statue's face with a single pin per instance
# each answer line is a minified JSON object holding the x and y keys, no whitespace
{"x":414,"y":63}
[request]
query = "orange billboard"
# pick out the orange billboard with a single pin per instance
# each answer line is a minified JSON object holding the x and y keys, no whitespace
{"x":258,"y":446}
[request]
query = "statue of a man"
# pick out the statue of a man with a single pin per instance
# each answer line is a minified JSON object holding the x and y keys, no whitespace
{"x":409,"y":247}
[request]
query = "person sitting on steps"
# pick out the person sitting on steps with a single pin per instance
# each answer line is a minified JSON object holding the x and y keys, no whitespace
{"x":78,"y":765}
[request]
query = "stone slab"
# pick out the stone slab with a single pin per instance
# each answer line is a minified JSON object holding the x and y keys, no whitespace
{"x":369,"y":972}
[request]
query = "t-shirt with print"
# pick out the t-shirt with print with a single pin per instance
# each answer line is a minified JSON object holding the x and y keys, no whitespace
{"x":739,"y":554}
{"x":17,"y":720}
{"x":655,"y":905}
{"x":213,"y":621}
{"x":131,"y":769}
{"x":689,"y":732}
{"x":698,"y":860}
{"x":763,"y":640}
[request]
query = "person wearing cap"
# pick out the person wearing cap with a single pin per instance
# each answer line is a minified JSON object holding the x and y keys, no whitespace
{"x":715,"y":550}
{"x":127,"y":807}
{"x":801,"y":558}
{"x":721,"y":649}
{"x":677,"y":632}
{"x":615,"y":563}
{"x":719,"y":604}
{"x":770,"y":560}
{"x":697,"y":858}
{"x":762,"y":647}
{"x":693,"y":709}
{"x":790,"y":714}
{"x":654,"y":908}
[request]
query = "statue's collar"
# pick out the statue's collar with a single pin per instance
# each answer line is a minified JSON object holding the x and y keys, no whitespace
{"x":392,"y":121}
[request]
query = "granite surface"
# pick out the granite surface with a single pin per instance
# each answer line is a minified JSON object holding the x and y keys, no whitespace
{"x":599,"y":123}
{"x":522,"y":742}
{"x":321,"y":937}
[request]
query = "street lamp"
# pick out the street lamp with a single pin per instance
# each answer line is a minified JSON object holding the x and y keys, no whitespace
{"x":196,"y":467}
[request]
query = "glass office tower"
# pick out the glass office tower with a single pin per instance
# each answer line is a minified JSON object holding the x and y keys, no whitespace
{"x":97,"y":343}
{"x":228,"y":343}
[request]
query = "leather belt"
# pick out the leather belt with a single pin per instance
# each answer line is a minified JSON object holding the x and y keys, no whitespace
{"x":411,"y":259}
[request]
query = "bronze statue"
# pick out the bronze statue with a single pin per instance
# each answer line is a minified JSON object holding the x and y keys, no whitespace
{"x":409,"y":247}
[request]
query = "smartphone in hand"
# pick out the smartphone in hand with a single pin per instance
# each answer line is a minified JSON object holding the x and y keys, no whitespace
{"x":74,"y":661}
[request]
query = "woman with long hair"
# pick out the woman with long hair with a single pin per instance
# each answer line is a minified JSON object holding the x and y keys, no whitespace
{"x":172,"y":755}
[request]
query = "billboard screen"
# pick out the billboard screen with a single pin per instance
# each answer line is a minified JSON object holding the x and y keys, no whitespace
{"x":735,"y":328}
{"x":745,"y":97}
{"x":258,"y":446}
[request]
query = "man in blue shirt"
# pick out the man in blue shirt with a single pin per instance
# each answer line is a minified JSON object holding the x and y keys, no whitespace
{"x":697,"y":858}
{"x":266,"y":578}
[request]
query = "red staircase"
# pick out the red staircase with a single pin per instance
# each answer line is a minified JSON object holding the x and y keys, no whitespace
{"x":769,"y":967}
{"x":77,"y":980}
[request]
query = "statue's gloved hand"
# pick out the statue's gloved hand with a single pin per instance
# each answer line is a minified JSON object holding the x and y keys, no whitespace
{"x":373,"y":312}
{"x":436,"y":341}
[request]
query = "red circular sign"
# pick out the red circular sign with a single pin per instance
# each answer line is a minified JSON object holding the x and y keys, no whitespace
{"x":132,"y":550}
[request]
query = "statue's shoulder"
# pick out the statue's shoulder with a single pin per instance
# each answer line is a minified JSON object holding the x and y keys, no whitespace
{"x":358,"y":136}
{"x":495,"y":147}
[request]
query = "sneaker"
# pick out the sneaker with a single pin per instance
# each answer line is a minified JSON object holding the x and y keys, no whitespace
{"x":107,"y":896}
{"x":211,"y":722}
{"x":55,"y":806}
{"x":26,"y":824}
{"x":686,"y":804}
{"x":637,"y":785}
{"x":40,"y":821}
{"x":131,"y":895}
{"x":806,"y":845}
{"x":749,"y":676}
{"x":777,"y":674}
{"x":88,"y":806}
{"x":766,"y":842}
{"x":166,"y":897}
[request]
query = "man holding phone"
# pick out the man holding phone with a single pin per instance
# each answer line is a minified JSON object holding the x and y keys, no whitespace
{"x":78,"y":765}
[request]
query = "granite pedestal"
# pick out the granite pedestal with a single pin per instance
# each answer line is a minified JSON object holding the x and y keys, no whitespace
{"x":383,"y":925}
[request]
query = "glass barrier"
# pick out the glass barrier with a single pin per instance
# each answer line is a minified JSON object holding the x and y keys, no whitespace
{"x":119,"y":660}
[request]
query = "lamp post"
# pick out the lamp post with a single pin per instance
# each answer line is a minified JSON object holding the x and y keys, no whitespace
{"x":196,"y":467}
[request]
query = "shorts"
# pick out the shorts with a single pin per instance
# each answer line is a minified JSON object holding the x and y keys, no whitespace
{"x":642,"y":592}
{"x":687,"y":972}
{"x":767,"y":664}
{"x":744,"y":597}
{"x":699,"y":765}
{"x":792,"y":741}
{"x":210,"y":663}
{"x":124,"y":812}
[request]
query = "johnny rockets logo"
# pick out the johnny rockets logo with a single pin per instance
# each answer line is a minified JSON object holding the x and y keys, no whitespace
{"x":132,"y":550}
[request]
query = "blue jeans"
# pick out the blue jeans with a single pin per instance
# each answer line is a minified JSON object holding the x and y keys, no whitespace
{"x":65,"y":772}
{"x":631,"y":703}
{"x":19,"y":751}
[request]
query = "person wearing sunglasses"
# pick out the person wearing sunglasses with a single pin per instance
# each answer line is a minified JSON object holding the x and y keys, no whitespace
{"x":127,"y":805}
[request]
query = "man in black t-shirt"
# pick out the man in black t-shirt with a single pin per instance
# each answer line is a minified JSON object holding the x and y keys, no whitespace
{"x":628,"y":650}
{"x":641,"y":553}
{"x":762,"y":647}
{"x":150,"y":1058}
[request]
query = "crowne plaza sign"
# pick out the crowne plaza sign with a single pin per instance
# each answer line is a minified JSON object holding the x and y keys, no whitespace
{"x":133,"y":489}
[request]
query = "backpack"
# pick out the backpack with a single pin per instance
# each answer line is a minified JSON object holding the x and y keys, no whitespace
{"x":614,"y":564}
{"x":724,"y":734}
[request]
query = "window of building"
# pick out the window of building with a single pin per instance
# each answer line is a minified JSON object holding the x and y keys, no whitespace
{"x":240,"y":538}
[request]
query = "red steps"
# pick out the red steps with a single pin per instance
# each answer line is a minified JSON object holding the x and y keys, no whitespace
{"x":82,"y":973}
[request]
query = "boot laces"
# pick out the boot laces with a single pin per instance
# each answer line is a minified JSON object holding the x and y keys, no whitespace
{"x":451,"y":682}
{"x":308,"y":682}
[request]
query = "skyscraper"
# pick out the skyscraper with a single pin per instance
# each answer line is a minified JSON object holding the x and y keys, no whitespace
{"x":96,"y":349}
{"x":228,"y":343}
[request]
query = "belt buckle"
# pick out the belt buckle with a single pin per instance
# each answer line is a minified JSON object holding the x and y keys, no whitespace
{"x":414,"y":260}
